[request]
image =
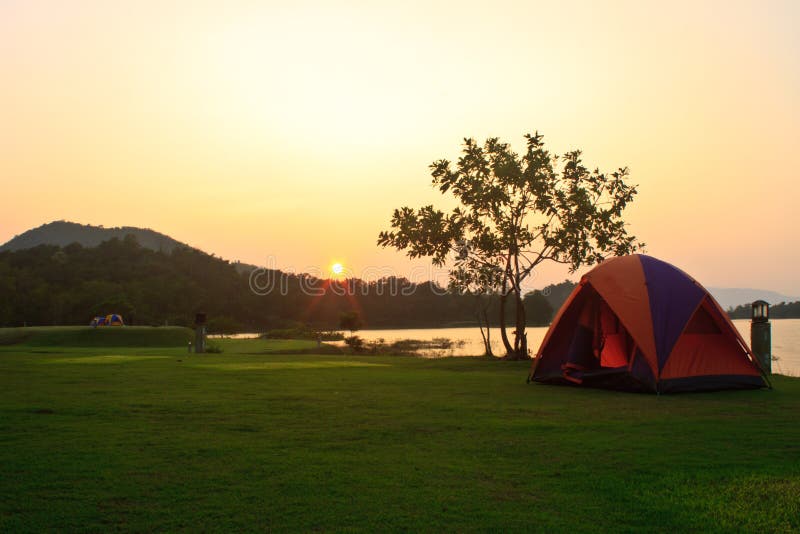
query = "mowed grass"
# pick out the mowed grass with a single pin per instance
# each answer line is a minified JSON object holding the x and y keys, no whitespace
{"x":143,"y":439}
{"x":102,"y":337}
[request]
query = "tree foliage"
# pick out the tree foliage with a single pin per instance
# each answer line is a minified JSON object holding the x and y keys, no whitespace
{"x":514,"y":212}
{"x":349,"y":320}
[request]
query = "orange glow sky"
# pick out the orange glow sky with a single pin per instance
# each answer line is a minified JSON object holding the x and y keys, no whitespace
{"x":292,"y":130}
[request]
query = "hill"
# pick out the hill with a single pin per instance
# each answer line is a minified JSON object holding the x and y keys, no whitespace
{"x":63,"y":233}
{"x":728,"y":297}
{"x":731,"y":297}
{"x":64,"y":273}
{"x":54,"y":285}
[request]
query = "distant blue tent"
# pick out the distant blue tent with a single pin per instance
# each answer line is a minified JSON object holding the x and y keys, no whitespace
{"x":112,"y":319}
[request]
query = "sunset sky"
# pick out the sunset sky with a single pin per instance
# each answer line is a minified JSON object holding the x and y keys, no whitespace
{"x":291,"y":130}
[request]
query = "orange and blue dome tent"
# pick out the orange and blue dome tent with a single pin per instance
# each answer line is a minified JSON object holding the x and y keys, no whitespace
{"x":114,"y":319}
{"x":637,"y":323}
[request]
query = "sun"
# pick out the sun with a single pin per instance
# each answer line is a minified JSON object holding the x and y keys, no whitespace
{"x":337,"y":269}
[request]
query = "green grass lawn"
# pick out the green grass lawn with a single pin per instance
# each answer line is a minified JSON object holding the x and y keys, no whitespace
{"x":148,"y":438}
{"x":55,"y":337}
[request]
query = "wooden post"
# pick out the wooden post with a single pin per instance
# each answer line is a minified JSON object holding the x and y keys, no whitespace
{"x":199,"y":333}
{"x":761,"y":335}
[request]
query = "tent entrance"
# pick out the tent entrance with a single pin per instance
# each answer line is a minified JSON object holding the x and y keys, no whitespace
{"x":601,"y":347}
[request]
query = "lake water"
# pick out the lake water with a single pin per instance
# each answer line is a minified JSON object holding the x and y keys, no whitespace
{"x":785,"y":341}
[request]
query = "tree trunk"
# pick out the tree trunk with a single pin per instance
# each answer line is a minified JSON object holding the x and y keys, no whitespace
{"x":503,"y":334}
{"x":517,"y":331}
{"x":520,"y":340}
{"x":483,"y":319}
{"x":520,"y":337}
{"x":488,"y":333}
{"x":522,"y":350}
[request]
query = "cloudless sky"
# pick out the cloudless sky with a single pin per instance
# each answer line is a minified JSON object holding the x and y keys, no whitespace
{"x":291,"y":130}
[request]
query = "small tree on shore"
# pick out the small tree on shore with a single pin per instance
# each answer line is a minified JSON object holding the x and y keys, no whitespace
{"x":516,"y":212}
{"x":349,"y":321}
{"x":482,"y":282}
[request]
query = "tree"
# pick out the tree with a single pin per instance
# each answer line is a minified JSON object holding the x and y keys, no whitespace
{"x":481,"y":281}
{"x":482,"y":305}
{"x":349,"y":321}
{"x":515,"y":212}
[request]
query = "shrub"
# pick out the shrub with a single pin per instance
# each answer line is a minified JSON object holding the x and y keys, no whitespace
{"x":303,"y":332}
{"x":355,"y":343}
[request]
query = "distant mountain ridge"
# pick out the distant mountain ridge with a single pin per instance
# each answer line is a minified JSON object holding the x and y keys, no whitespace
{"x":63,"y":233}
{"x":730,"y":297}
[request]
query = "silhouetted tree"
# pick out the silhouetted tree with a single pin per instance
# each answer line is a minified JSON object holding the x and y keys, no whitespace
{"x":515,"y":212}
{"x":349,"y":321}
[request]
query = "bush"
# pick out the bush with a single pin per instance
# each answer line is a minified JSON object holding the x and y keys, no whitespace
{"x":437,"y":347}
{"x":303,"y":332}
{"x":213,"y":349}
{"x":355,"y":343}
